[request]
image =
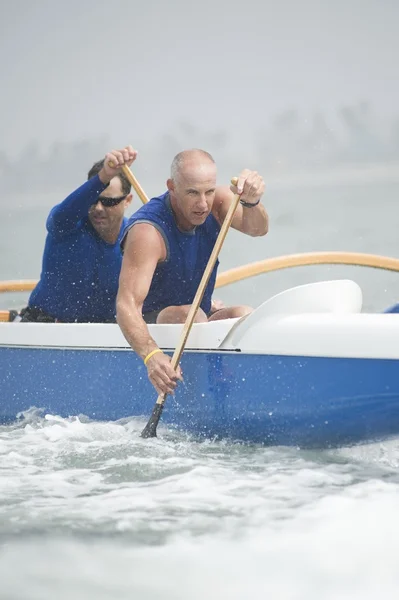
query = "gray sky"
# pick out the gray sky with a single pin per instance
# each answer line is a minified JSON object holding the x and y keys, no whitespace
{"x":167,"y":75}
{"x":133,"y":69}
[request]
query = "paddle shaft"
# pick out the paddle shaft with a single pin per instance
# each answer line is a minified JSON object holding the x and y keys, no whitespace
{"x":202,"y":286}
{"x":133,"y":182}
{"x":150,"y":428}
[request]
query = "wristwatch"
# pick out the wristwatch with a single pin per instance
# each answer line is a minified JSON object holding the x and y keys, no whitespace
{"x":249,"y":204}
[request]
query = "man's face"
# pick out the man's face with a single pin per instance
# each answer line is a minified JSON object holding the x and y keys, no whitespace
{"x":194,"y":191}
{"x":107,"y":219}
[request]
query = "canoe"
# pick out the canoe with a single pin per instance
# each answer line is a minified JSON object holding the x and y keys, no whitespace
{"x":307,"y":368}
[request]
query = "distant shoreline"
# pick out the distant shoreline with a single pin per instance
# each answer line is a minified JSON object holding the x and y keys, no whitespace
{"x":284,"y":179}
{"x":343,"y":175}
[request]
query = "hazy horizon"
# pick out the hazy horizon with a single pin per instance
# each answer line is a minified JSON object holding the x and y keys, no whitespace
{"x":131,"y":71}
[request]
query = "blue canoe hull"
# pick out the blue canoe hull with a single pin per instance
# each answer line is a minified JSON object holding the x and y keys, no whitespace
{"x":274,"y":400}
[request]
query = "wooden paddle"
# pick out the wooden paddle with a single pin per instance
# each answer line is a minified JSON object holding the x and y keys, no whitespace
{"x":150,"y":430}
{"x":133,"y":182}
{"x":136,"y":186}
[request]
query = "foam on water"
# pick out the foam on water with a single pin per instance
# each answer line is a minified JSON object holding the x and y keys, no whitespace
{"x":106,"y":514}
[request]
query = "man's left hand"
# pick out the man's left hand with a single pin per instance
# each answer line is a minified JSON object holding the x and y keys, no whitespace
{"x":250,"y":186}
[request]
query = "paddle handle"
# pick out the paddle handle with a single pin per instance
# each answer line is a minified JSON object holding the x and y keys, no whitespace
{"x":202,"y":286}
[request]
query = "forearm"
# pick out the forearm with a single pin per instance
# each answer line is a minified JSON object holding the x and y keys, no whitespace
{"x":133,"y":326}
{"x":65,"y":216}
{"x":255,"y":220}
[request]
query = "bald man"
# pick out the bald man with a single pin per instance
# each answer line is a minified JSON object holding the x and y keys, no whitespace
{"x":166,"y":246}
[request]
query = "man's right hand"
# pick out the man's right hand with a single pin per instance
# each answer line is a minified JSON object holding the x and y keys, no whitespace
{"x":114,"y":160}
{"x":162,"y":376}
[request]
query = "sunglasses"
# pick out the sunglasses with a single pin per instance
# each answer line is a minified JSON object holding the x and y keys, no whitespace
{"x":110,"y":201}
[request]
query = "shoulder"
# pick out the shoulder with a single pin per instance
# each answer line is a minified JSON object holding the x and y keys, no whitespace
{"x":63,"y":234}
{"x":154,"y":213}
{"x":145,"y":239}
{"x":223,"y":198}
{"x":223,"y":195}
{"x":156,"y":206}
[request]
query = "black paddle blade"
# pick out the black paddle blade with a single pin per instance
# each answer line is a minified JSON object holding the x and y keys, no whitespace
{"x":150,"y":430}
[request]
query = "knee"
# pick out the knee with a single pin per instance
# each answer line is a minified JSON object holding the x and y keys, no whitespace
{"x":178,"y":314}
{"x":239,"y":311}
{"x":231,"y":312}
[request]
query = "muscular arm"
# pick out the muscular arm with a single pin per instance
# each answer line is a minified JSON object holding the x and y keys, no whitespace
{"x":65,"y":216}
{"x":144,"y":248}
{"x":252,"y":221}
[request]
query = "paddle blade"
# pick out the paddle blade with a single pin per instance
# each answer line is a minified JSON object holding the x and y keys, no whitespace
{"x":150,"y":430}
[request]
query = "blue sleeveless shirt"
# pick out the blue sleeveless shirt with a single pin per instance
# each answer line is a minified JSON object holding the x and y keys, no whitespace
{"x":176,"y":280}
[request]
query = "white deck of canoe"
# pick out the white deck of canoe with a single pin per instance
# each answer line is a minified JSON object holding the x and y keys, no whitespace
{"x":317,"y":319}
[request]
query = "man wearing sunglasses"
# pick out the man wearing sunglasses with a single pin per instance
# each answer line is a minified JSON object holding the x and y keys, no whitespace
{"x":82,"y":256}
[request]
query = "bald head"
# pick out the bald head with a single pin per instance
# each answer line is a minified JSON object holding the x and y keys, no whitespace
{"x":192,"y":187}
{"x":190,"y":160}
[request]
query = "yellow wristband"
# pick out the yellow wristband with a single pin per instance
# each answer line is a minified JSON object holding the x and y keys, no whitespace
{"x":147,"y":358}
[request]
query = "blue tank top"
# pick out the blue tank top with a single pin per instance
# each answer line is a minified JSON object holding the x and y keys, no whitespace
{"x":176,"y":280}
